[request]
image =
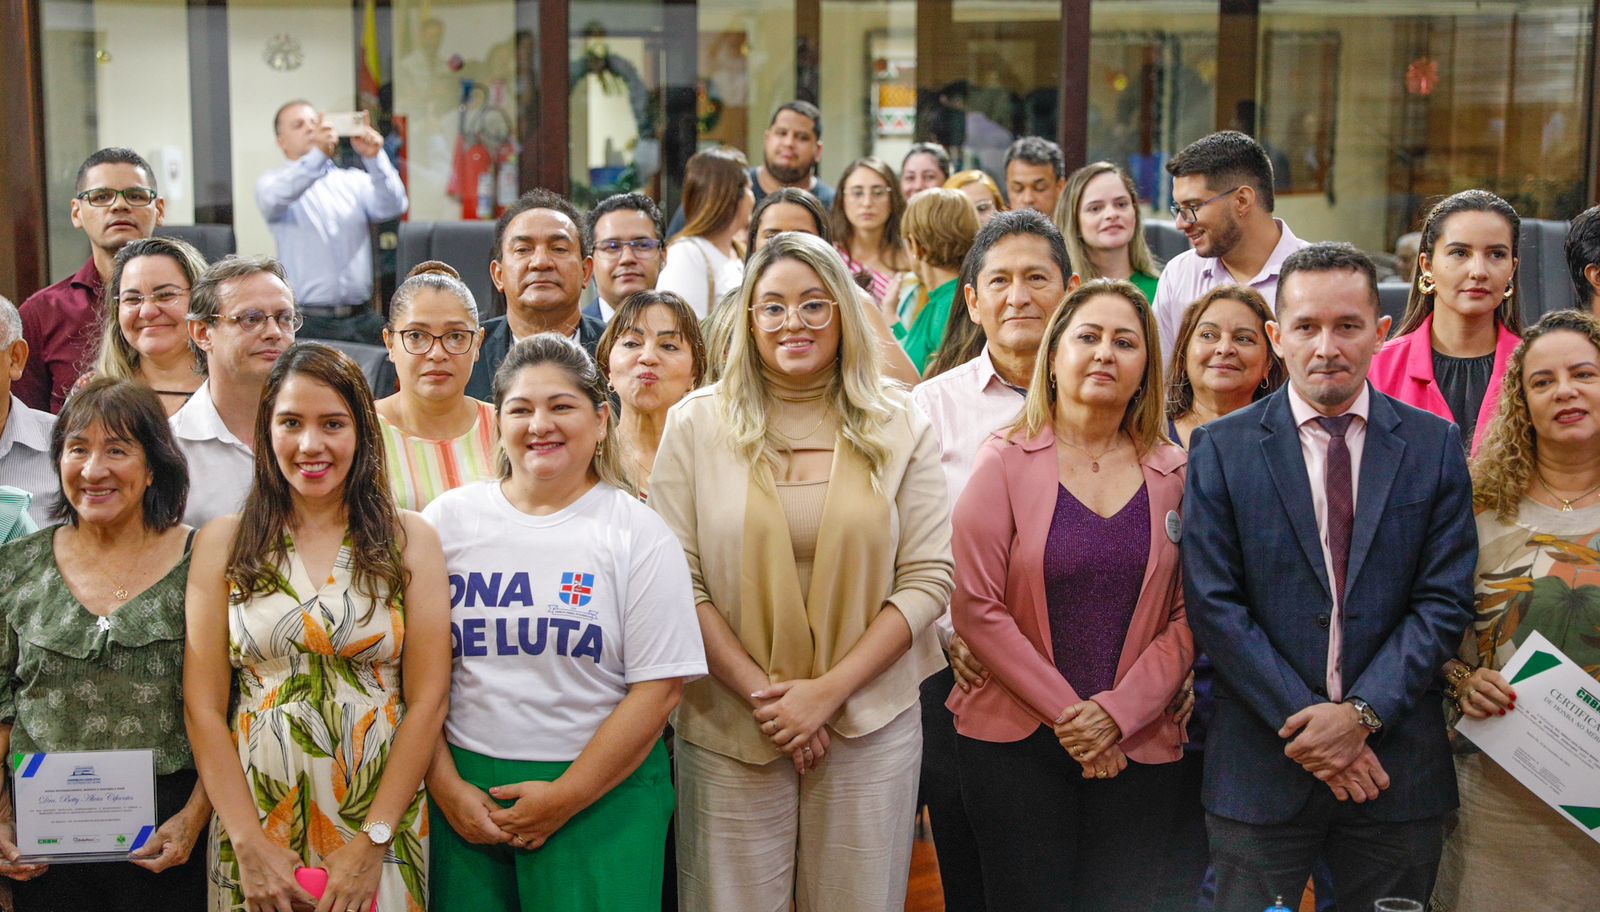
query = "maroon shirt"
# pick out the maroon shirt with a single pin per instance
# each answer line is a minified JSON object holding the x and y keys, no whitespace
{"x":62,"y":326}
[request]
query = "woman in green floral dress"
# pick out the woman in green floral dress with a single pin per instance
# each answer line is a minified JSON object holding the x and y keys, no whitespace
{"x":327,"y":610}
{"x":1536,"y":485}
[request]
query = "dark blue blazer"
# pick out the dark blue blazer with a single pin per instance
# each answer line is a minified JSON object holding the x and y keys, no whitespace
{"x":1259,"y":601}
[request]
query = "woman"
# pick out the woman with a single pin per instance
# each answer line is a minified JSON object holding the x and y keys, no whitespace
{"x":91,"y":652}
{"x":939,"y":228}
{"x":1462,"y":321}
{"x":322,"y":611}
{"x":1223,"y":360}
{"x":963,"y":336}
{"x":1535,"y":484}
{"x":575,"y":633}
{"x":145,"y":333}
{"x":866,"y":223}
{"x":926,"y":165}
{"x":1068,"y":590}
{"x":982,"y":190}
{"x":704,"y":261}
{"x":435,"y":436}
{"x":1100,"y":221}
{"x":652,"y":355}
{"x":808,"y":495}
{"x":787,"y":209}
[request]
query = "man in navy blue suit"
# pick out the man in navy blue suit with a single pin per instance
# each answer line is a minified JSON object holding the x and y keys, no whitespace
{"x":1328,"y":555}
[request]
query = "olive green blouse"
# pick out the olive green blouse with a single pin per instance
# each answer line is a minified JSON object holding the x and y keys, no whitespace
{"x":70,"y":680}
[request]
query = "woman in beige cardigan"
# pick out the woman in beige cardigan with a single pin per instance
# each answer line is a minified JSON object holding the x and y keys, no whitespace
{"x":809,"y":499}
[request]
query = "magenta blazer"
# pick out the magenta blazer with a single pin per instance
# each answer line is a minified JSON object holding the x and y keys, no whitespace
{"x":1404,"y":369}
{"x":1001,"y":522}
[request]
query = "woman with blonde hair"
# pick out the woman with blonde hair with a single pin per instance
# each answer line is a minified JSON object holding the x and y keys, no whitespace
{"x":145,"y":333}
{"x":866,"y":223}
{"x":982,"y":190}
{"x":807,"y":493}
{"x":939,"y":227}
{"x":706,"y":259}
{"x":1100,"y":220}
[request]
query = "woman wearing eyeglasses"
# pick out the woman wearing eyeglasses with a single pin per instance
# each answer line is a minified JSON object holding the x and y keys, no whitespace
{"x":808,"y":497}
{"x":145,"y":333}
{"x":866,"y":223}
{"x":435,"y":436}
{"x":704,"y":260}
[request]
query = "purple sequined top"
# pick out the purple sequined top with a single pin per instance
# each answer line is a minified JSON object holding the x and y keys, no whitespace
{"x":1093,"y":571}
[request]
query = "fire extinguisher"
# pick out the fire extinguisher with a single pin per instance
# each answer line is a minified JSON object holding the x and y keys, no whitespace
{"x":477,"y":183}
{"x":506,"y":176}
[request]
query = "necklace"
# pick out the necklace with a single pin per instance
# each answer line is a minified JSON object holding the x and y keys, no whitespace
{"x":1566,"y":505}
{"x":1094,"y":458}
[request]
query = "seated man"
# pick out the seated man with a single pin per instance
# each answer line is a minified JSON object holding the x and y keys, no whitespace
{"x":24,"y":432}
{"x":1583,"y":258}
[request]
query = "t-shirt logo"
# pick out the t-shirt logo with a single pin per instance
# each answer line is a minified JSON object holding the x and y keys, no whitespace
{"x":577,"y":588}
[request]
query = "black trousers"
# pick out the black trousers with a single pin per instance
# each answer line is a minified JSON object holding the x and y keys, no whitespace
{"x":940,"y":790}
{"x":1369,"y":859}
{"x":1050,"y":840}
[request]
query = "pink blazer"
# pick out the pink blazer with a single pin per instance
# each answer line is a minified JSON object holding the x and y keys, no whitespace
{"x":1000,"y":526}
{"x":1404,"y":369}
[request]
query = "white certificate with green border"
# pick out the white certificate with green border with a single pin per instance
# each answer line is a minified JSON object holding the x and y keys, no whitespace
{"x":1551,"y":741}
{"x":78,"y":806}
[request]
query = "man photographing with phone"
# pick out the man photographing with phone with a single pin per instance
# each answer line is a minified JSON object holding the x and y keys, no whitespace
{"x":320,"y":215}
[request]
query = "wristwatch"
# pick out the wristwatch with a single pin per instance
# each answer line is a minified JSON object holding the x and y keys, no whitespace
{"x":1453,"y":679}
{"x":1369,"y":720}
{"x":379,"y":832}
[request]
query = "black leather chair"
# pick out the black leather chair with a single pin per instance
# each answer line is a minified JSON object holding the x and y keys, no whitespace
{"x":1392,"y":300}
{"x":213,"y":241}
{"x":1164,"y":239}
{"x":467,"y":246}
{"x":1542,"y":269}
{"x":370,"y":358}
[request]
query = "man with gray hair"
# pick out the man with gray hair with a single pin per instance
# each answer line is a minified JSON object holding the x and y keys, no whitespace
{"x":242,"y":317}
{"x":24,"y":432}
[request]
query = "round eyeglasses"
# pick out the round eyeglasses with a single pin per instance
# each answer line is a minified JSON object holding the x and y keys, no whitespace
{"x":253,"y":321}
{"x":771,"y":316}
{"x":420,"y":341}
{"x":102,"y":197}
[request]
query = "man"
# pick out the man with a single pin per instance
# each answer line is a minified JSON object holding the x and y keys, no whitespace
{"x":320,"y":216}
{"x":541,"y":264}
{"x":24,"y":432}
{"x":1583,"y":258}
{"x":1222,"y":200}
{"x":1036,"y":173}
{"x":115,"y":203}
{"x":790,"y":150}
{"x":1328,"y":557}
{"x":1022,"y":273}
{"x":241,"y":319}
{"x":627,"y":245}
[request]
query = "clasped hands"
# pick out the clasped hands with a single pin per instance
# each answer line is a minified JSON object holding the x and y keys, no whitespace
{"x":538,"y":809}
{"x":793,"y":715}
{"x":1090,"y":736}
{"x":1329,"y":742}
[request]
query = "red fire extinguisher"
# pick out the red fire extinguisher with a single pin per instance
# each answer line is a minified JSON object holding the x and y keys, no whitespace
{"x":476,"y":182}
{"x":506,"y":177}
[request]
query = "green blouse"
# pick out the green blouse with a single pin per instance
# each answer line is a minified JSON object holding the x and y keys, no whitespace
{"x":70,"y":680}
{"x":922,"y":340}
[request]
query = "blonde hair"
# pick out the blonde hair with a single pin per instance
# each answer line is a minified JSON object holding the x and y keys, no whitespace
{"x":1144,"y":418}
{"x":943,"y":224}
{"x":962,"y":178}
{"x":1505,"y":461}
{"x":1066,"y":218}
{"x":117,"y":358}
{"x":858,"y":393}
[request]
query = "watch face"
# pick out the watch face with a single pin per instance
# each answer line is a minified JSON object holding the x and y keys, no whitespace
{"x":379,"y":833}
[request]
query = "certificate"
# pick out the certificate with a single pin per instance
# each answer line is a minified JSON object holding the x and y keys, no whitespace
{"x":1551,"y":741}
{"x":77,"y":806}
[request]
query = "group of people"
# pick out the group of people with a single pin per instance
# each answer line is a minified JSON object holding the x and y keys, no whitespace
{"x":1160,"y":586}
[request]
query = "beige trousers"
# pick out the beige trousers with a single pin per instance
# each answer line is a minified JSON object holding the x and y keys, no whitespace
{"x":838,"y":839}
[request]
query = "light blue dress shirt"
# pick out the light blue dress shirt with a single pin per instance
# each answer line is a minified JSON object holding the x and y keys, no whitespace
{"x":319,"y":214}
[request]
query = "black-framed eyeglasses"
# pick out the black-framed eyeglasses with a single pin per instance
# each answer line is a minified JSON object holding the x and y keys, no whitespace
{"x":420,"y":341}
{"x":641,"y":246}
{"x":1191,"y":212}
{"x":159,"y":298}
{"x":101,"y":197}
{"x":252,"y":321}
{"x":771,"y":316}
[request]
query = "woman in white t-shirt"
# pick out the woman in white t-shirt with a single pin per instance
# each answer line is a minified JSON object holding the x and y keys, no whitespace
{"x":706,"y":259}
{"x":573,"y":631}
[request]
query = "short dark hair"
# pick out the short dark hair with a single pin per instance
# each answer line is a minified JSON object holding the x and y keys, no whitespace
{"x":115,"y":155}
{"x":1036,"y":150}
{"x":128,"y":409}
{"x":278,"y":114}
{"x":617,"y":202}
{"x":626,"y":319}
{"x":1228,"y":157}
{"x":1014,"y":222}
{"x":1328,"y":256}
{"x":929,"y":148}
{"x":539,"y":198}
{"x":804,"y":109}
{"x":1583,"y":251}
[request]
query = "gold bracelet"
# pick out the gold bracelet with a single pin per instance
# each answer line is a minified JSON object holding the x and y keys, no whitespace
{"x":1454,"y":678}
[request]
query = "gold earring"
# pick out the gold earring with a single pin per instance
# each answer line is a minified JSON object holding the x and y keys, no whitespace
{"x":1511,"y":288}
{"x":600,"y":448}
{"x":1425,"y":283}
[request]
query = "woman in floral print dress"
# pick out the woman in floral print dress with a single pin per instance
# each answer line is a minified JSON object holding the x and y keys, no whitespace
{"x":326,"y":609}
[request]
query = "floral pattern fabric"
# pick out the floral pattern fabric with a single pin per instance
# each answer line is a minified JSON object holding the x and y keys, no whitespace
{"x":319,"y":700}
{"x":1541,"y":573}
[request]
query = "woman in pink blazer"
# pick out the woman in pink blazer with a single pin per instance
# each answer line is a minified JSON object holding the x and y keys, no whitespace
{"x":1462,"y":320}
{"x":1068,"y":590}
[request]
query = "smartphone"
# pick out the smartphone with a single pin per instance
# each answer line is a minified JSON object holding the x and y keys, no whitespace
{"x":315,"y":882}
{"x":347,"y":123}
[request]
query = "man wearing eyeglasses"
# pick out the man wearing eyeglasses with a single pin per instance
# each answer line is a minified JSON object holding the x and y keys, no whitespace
{"x":1222,"y":200}
{"x":242,"y":317}
{"x":115,"y":204}
{"x":626,"y":245}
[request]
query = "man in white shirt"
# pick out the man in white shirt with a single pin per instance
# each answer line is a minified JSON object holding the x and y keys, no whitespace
{"x":320,"y":215}
{"x":241,"y":320}
{"x":627,"y":248}
{"x":24,"y":432}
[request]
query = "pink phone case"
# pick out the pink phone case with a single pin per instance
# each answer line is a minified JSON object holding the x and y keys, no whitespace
{"x":315,"y":882}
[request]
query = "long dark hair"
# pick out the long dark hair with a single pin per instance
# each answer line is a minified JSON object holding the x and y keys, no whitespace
{"x":1419,"y":306}
{"x":261,"y":546}
{"x":792,"y":196}
{"x":1180,"y":387}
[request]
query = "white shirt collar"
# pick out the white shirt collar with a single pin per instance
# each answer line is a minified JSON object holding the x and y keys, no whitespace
{"x":200,"y":420}
{"x":1303,"y":411}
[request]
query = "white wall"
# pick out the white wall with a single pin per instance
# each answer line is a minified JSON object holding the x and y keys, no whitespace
{"x":142,"y":92}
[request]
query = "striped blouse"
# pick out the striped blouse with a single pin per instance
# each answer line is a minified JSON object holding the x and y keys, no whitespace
{"x":420,"y":470}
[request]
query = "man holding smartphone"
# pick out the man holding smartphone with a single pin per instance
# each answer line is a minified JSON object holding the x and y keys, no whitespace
{"x":320,"y":215}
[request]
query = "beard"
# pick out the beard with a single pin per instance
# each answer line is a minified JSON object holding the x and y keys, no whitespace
{"x":793,"y":176}
{"x":1222,"y":239}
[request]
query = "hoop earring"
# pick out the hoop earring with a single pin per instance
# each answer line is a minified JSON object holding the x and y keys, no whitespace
{"x":1511,"y":288}
{"x":1264,"y":381}
{"x":1425,"y":283}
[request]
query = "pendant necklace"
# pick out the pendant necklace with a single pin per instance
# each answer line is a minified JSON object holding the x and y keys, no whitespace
{"x":1566,"y":505}
{"x":1094,"y":458}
